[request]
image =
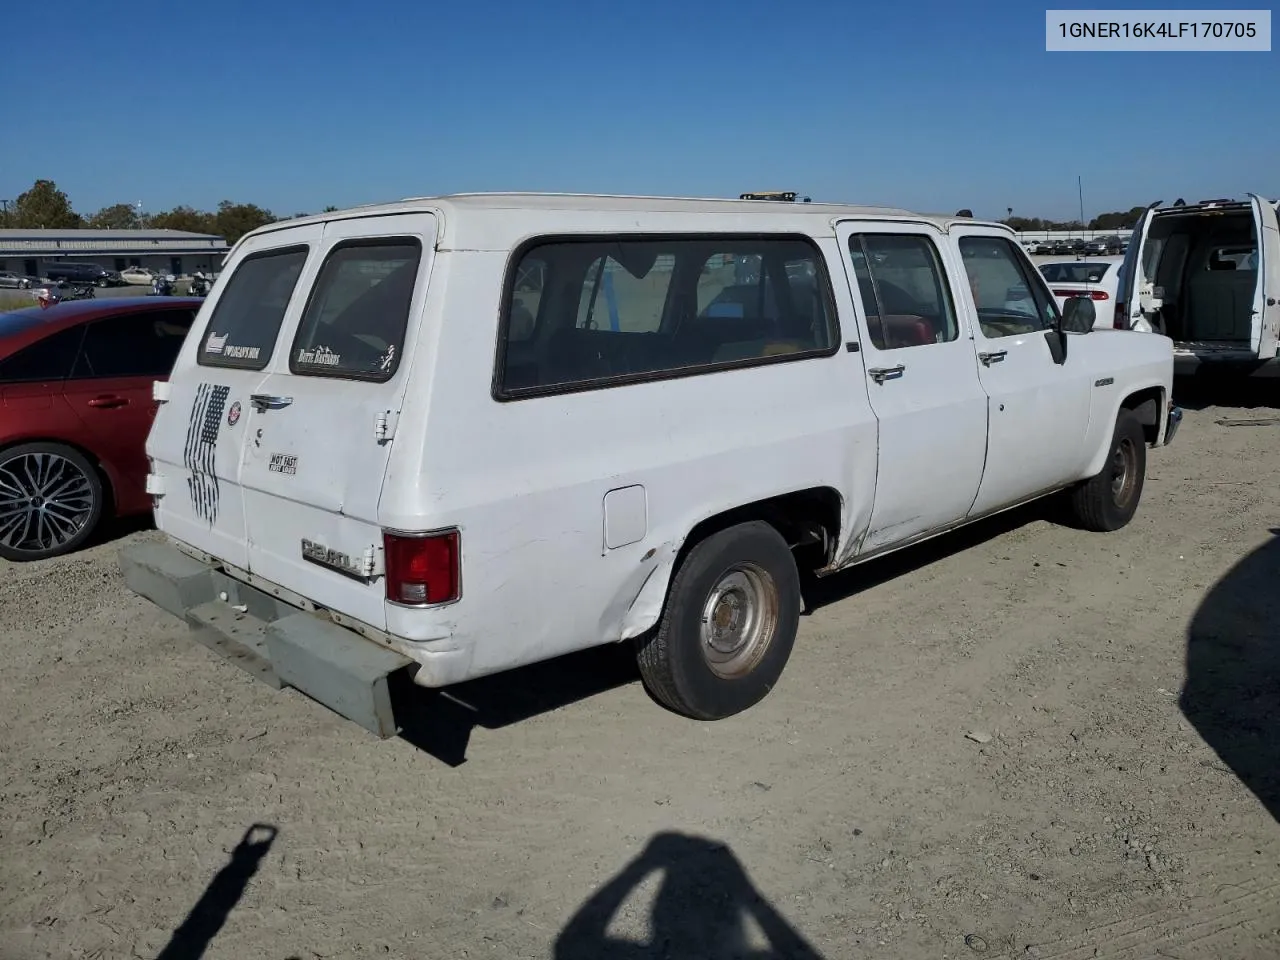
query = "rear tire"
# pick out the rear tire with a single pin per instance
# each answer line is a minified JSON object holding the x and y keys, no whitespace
{"x":1108,"y":500}
{"x":51,"y":500}
{"x":728,"y":627}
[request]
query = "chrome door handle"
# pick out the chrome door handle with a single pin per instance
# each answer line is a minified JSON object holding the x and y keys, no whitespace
{"x":995,"y":356}
{"x":881,"y":374}
{"x":263,"y":402}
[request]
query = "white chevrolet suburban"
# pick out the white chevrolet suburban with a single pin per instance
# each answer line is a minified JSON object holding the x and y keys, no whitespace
{"x":451,"y":436}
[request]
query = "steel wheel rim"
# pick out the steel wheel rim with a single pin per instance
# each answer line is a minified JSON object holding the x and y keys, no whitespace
{"x":45,"y":502}
{"x":1123,"y":472}
{"x":739,"y":619}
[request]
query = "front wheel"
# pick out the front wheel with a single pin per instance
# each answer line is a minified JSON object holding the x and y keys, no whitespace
{"x":50,"y":501}
{"x":728,"y":627}
{"x":1108,"y":500}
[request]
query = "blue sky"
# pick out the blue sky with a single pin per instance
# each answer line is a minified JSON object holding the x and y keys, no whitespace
{"x":295,"y":104}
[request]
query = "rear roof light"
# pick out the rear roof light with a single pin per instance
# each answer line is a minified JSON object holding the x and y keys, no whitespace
{"x":423,"y":569}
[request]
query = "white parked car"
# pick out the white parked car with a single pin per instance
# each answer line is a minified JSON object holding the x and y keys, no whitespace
{"x":1208,"y":276}
{"x":1095,"y":278}
{"x":137,"y":276}
{"x":457,"y":435}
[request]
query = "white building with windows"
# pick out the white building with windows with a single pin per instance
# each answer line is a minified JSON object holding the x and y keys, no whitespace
{"x":32,"y":252}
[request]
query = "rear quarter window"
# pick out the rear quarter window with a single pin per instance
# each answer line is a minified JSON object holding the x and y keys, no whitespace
{"x":356,"y":317}
{"x":584,"y":313}
{"x":246,"y":319}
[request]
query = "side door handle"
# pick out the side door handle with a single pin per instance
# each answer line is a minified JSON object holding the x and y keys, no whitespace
{"x":263,"y":402}
{"x":995,"y":356}
{"x":881,"y":374}
{"x":108,"y":401}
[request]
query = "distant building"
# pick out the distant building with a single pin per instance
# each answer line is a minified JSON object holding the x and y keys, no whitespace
{"x":31,"y":252}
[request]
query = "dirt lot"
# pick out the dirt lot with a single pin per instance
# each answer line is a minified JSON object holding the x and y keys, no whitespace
{"x":1124,"y":806}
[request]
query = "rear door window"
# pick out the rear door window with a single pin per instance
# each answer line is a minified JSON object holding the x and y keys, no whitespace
{"x":246,"y":320}
{"x":356,"y":317}
{"x":133,"y":345}
{"x":48,"y":359}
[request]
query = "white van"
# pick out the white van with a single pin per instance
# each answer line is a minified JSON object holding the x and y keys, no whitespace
{"x":476,"y":432}
{"x":1207,"y":275}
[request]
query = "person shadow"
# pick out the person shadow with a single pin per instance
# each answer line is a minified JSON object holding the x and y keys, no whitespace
{"x":1232,"y":691}
{"x":701,"y":910}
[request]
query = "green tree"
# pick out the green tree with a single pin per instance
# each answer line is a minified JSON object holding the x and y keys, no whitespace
{"x":234,"y":220}
{"x":329,"y":210}
{"x":183,"y":218}
{"x":118,"y":216}
{"x":44,"y":206}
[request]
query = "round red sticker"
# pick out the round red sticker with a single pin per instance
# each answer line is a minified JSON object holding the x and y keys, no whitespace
{"x":233,"y":415}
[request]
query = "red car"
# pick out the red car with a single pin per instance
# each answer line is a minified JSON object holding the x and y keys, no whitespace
{"x":75,"y":408}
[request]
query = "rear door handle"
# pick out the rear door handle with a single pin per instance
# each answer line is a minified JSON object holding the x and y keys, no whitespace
{"x":996,"y":356}
{"x":881,"y":374}
{"x":107,"y":401}
{"x":264,"y":401}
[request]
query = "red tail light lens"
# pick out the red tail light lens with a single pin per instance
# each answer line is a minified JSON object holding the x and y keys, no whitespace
{"x":423,"y":570}
{"x":1121,"y":320}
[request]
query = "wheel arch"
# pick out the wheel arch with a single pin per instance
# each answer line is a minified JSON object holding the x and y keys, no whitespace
{"x":1147,"y":403}
{"x":809,"y":520}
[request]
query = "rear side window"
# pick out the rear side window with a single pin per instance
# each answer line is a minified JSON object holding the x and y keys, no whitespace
{"x":586,"y":313}
{"x":133,"y":345}
{"x":246,"y":321}
{"x":355,"y":321}
{"x":50,"y":358}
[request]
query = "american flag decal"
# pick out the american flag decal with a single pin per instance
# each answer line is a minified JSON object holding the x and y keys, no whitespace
{"x":201,"y":446}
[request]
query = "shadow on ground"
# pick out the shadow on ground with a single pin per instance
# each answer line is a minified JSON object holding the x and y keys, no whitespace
{"x":1223,"y":390}
{"x":1232,"y":692}
{"x":210,"y":912}
{"x":840,"y":586}
{"x":701,"y":909}
{"x":440,"y":722}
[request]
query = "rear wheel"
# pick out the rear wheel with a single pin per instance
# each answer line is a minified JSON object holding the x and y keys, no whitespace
{"x":50,"y":501}
{"x":1108,"y":500}
{"x":728,"y":627}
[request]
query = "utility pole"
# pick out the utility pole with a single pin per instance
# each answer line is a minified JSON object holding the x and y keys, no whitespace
{"x":1080,"y":191}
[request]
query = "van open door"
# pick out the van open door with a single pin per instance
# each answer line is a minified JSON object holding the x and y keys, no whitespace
{"x":1134,"y":293}
{"x":1266,"y":297}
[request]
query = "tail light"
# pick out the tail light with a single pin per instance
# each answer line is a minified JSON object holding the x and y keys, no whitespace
{"x":423,"y":569}
{"x":1091,"y":294}
{"x":1121,"y":320}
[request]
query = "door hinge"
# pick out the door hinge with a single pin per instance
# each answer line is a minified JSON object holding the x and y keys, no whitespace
{"x":160,"y":390}
{"x":372,"y":563}
{"x":155,"y":484}
{"x":384,"y":428}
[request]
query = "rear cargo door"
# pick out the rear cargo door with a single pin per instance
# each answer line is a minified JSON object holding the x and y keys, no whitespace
{"x":321,"y":422}
{"x":1133,"y":283}
{"x":1266,"y":299}
{"x":197,"y":440}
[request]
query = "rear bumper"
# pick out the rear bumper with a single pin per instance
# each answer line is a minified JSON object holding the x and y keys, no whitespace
{"x":277,"y":643}
{"x":1190,"y":365}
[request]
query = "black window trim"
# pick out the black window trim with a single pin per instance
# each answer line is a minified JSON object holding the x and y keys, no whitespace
{"x":81,"y":328}
{"x":503,"y":395}
{"x":252,"y":366}
{"x":372,"y":377}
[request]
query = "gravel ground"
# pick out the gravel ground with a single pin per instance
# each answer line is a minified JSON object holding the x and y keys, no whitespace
{"x":1020,"y":741}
